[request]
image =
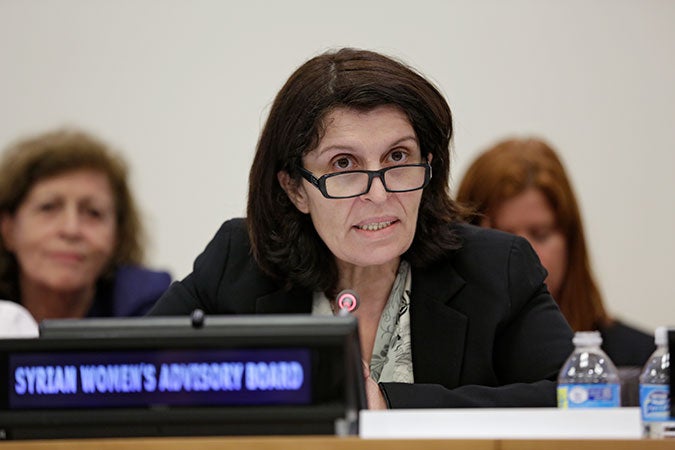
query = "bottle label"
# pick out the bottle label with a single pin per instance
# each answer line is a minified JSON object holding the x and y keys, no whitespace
{"x":589,"y":395}
{"x":655,"y":402}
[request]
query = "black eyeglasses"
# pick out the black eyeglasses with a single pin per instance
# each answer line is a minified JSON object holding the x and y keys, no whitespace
{"x":352,"y":183}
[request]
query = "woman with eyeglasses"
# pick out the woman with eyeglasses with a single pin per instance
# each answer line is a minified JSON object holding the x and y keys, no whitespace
{"x":349,"y":190}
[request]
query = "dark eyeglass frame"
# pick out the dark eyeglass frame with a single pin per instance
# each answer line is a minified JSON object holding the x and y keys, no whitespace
{"x":320,"y":183}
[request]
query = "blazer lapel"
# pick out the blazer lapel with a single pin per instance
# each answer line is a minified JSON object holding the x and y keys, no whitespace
{"x":438,"y":331}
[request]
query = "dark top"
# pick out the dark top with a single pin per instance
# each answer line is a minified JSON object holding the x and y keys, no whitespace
{"x":485,"y":331}
{"x":625,"y":345}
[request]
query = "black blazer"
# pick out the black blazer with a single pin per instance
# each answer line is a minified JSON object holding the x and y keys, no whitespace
{"x":485,"y":331}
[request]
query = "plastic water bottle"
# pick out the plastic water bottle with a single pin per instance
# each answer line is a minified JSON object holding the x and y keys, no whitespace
{"x":588,"y":379}
{"x":655,"y":390}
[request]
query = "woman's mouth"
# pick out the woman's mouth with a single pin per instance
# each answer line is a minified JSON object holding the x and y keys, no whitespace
{"x":67,"y":257}
{"x":375,"y":226}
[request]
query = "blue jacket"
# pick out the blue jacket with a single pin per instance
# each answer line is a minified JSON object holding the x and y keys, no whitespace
{"x":132,"y":292}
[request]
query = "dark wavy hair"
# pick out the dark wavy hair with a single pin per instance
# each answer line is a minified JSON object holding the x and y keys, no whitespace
{"x":284,"y":241}
{"x":36,"y":158}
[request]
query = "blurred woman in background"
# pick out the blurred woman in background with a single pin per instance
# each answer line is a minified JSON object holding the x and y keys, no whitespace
{"x":520,"y":186}
{"x":71,"y":240}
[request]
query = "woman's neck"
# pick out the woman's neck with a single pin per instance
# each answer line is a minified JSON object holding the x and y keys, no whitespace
{"x":373,"y":285}
{"x":44,"y":303}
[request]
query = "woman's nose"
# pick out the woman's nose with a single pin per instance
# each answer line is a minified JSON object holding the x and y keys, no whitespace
{"x":71,"y":223}
{"x":377,"y":191}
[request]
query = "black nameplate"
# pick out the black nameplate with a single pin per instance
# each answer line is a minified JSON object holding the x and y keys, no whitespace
{"x":234,"y":375}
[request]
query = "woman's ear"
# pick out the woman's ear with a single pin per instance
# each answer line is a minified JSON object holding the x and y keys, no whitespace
{"x":295,"y":191}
